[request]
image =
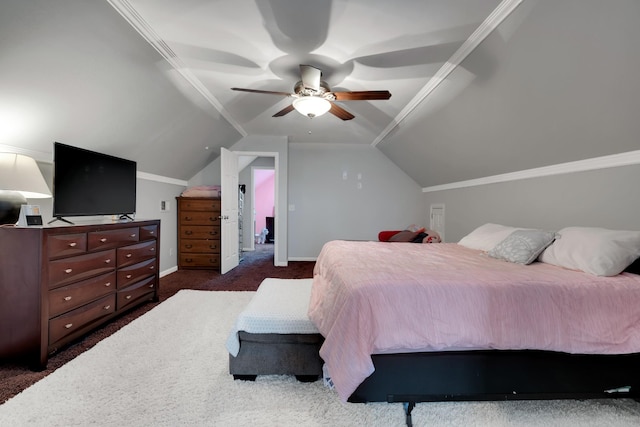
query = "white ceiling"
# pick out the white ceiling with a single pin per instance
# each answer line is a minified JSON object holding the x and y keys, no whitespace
{"x":358,"y":44}
{"x":479,"y":87}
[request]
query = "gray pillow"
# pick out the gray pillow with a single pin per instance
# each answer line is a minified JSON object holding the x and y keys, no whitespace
{"x":522,"y":246}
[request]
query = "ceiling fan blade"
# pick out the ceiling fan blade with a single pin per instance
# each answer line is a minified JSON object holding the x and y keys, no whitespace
{"x":285,"y":110}
{"x":340,"y":112}
{"x":261,"y":91}
{"x":365,"y":95}
{"x":310,"y":77}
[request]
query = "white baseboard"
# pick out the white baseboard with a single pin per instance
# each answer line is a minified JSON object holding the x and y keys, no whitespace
{"x":169,"y":271}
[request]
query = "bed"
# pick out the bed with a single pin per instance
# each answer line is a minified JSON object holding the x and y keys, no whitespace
{"x":407,"y":322}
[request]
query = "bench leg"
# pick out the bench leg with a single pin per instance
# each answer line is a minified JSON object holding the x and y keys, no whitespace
{"x":245,"y":377}
{"x":307,"y":378}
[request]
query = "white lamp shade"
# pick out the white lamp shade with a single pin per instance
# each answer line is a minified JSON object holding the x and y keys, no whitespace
{"x":21,"y":173}
{"x":311,"y":106}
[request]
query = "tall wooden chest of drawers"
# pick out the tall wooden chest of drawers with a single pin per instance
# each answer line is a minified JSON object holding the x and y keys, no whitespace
{"x":198,"y":232}
{"x":58,"y":283}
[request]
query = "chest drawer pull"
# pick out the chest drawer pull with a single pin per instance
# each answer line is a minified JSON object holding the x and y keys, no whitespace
{"x":151,"y":285}
{"x":73,"y":244}
{"x":67,"y":298}
{"x":152,"y":249}
{"x":128,"y":297}
{"x":107,"y":284}
{"x":133,"y":235}
{"x":68,"y":270}
{"x":107,"y":307}
{"x":128,"y":276}
{"x":107,"y":261}
{"x":188,"y":232}
{"x":152,"y":267}
{"x":68,"y":325}
{"x":188,"y":246}
{"x":104,"y":239}
{"x":128,"y":255}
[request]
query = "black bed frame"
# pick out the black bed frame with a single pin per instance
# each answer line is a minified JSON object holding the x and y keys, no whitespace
{"x":499,"y":375}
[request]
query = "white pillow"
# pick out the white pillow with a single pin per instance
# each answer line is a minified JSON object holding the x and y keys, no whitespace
{"x":487,"y":236}
{"x":597,"y":251}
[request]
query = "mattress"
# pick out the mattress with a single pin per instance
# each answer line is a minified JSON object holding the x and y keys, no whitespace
{"x":278,"y":307}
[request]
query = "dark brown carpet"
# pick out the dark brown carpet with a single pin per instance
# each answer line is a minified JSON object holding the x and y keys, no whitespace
{"x":256,"y":266}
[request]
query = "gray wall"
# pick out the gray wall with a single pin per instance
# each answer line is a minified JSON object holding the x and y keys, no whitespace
{"x":324,"y":206}
{"x":148,"y":198}
{"x":606,"y":198}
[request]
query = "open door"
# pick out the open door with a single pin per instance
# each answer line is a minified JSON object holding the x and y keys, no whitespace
{"x":229,"y":257}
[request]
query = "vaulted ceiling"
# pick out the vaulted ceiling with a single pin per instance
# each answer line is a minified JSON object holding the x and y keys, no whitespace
{"x":151,"y":80}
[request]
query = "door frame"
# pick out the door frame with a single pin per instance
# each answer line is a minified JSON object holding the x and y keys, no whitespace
{"x":280,"y":244}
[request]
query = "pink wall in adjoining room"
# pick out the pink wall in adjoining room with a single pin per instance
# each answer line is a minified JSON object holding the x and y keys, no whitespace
{"x":264,"y":184}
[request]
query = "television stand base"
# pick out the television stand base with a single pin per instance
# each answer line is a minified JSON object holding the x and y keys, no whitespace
{"x":59,"y":218}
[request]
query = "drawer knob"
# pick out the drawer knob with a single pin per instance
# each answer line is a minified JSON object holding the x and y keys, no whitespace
{"x":187,"y":218}
{"x":152,"y":232}
{"x":107,"y":284}
{"x":73,"y":244}
{"x":104,"y":239}
{"x":68,"y":270}
{"x":188,"y":232}
{"x":128,"y":255}
{"x":152,"y":249}
{"x":107,"y":307}
{"x":188,"y":246}
{"x":68,"y":325}
{"x":189,"y":260}
{"x":133,"y":235}
{"x":67,"y":298}
{"x":128,"y":276}
{"x":152,"y":267}
{"x":151,"y":285}
{"x":107,"y":261}
{"x":128,"y":297}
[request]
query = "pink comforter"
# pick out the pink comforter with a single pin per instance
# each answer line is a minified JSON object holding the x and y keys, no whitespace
{"x":373,"y":297}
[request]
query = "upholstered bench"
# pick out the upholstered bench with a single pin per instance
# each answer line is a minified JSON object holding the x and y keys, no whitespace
{"x":273,"y":334}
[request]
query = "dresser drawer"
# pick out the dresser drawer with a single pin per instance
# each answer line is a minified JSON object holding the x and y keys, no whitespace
{"x":66,"y":324}
{"x":129,"y":275}
{"x":200,"y":246}
{"x":68,"y":270}
{"x":199,"y":218}
{"x":73,"y":296}
{"x":129,"y":255}
{"x":66,"y":244}
{"x":112,"y":238}
{"x":143,"y":289}
{"x":189,"y":204}
{"x":200,"y":260}
{"x":148,"y":232}
{"x":199,"y":232}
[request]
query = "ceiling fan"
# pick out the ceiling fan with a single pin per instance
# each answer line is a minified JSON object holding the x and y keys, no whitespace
{"x":313,"y":97}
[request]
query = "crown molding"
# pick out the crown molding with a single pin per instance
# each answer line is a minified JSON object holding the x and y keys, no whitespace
{"x":160,"y":178}
{"x":604,"y":162}
{"x":131,"y":15}
{"x":496,"y":17}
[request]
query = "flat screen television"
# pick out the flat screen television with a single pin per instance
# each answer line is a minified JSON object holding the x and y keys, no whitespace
{"x":87,"y":183}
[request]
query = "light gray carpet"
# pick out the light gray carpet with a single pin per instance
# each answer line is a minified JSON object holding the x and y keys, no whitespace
{"x":169,"y":368}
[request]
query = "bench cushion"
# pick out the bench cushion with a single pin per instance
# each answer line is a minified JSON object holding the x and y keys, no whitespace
{"x":278,"y":307}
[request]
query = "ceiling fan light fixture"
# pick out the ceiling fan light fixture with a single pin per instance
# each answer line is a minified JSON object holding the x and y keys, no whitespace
{"x":311,"y":106}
